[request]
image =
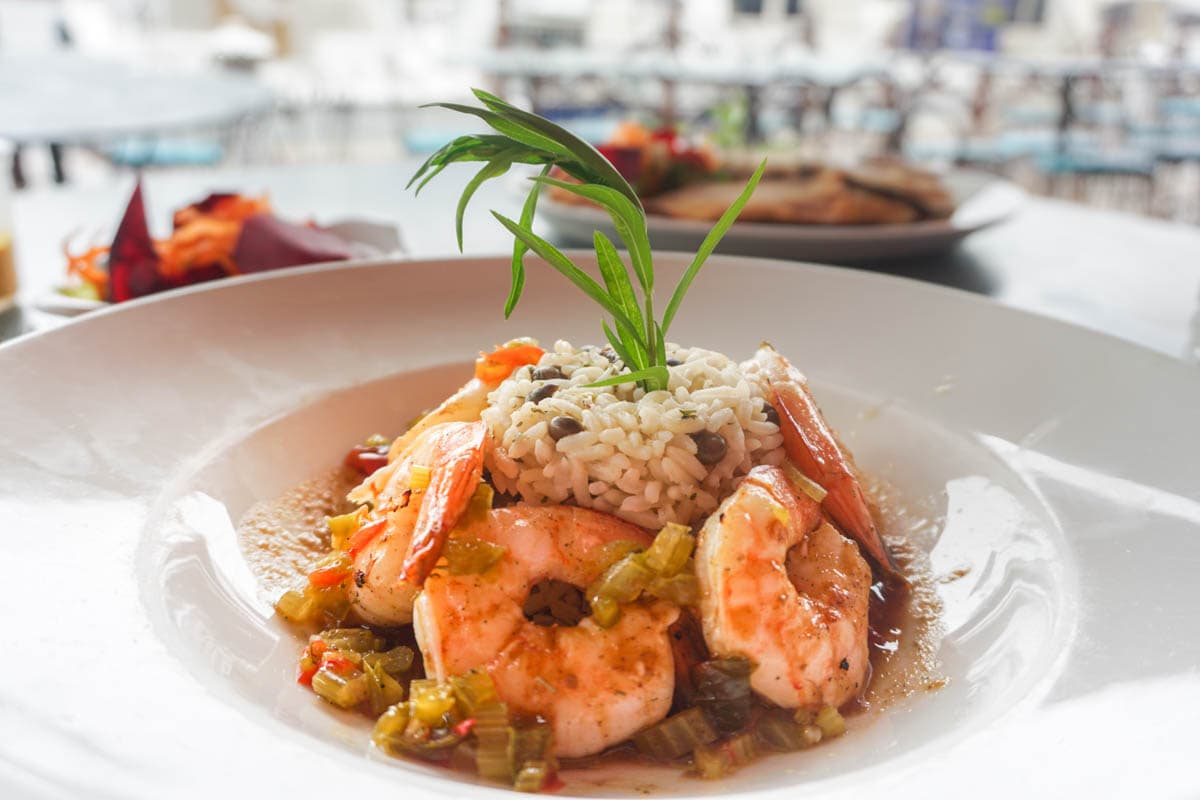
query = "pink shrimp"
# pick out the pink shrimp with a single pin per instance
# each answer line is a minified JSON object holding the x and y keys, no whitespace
{"x":814,"y":449}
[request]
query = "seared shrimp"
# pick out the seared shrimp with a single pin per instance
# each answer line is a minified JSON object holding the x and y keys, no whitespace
{"x":388,"y":571}
{"x":596,"y":686}
{"x":786,"y":590}
{"x":813,"y":448}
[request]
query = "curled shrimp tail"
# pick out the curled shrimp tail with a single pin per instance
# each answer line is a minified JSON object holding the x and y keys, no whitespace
{"x":813,"y":448}
{"x":455,"y":471}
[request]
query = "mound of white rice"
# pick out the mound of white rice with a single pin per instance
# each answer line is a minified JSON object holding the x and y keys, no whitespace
{"x":635,"y":453}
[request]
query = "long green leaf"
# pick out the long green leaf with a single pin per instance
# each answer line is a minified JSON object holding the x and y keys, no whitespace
{"x":658,"y":375}
{"x":616,"y":280}
{"x":556,"y":259}
{"x":519,"y":248}
{"x":620,"y":347}
{"x":493,"y":169}
{"x":583,"y":152}
{"x":709,"y":244}
{"x":628,"y":219}
{"x":513,"y":130}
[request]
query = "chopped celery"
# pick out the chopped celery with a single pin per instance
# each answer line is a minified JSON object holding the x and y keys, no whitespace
{"x":342,"y":691}
{"x":388,"y":734}
{"x":297,"y":607}
{"x":418,"y":477}
{"x":377,"y":440}
{"x":432,"y":701}
{"x":479,"y":506}
{"x":712,"y":762}
{"x":383,"y":689}
{"x":473,"y":691}
{"x":778,"y":731}
{"x":802,"y":483}
{"x":811,"y":735}
{"x":612,"y":552}
{"x":605,"y":611}
{"x":671,"y":549}
{"x":466,"y":555}
{"x":356,"y":640}
{"x":723,"y":691}
{"x":682,"y":589}
{"x":341,"y":528}
{"x":531,"y":743}
{"x":623,"y":582}
{"x":493,"y":735}
{"x":742,"y":748}
{"x":532,"y":776}
{"x":830,"y":722}
{"x":395,"y":662}
{"x":676,"y":736}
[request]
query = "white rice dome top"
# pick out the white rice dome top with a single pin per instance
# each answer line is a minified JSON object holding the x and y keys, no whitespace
{"x":635,"y":456}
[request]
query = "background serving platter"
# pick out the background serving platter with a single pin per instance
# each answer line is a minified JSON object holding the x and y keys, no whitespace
{"x":1058,"y":464}
{"x":983,"y":200}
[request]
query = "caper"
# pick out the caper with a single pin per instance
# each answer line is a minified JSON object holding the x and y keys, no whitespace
{"x":673,"y":362}
{"x":566,"y":426}
{"x":771,"y":413}
{"x":548,"y":374}
{"x":710,"y":447}
{"x":542,"y":392}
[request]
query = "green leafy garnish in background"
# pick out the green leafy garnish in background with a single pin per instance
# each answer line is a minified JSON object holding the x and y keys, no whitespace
{"x":525,"y":138}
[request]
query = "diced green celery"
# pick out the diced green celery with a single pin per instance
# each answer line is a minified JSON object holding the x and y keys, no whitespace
{"x":383,"y":689}
{"x":804,"y":716}
{"x":342,"y":691}
{"x":296,"y":607}
{"x":682,"y":589}
{"x":389,"y":729}
{"x":611,"y":552}
{"x":478,"y":507}
{"x":811,"y":734}
{"x":331,"y":605}
{"x":802,"y":483}
{"x":493,"y":736}
{"x":723,"y":691}
{"x":467,"y":555}
{"x":742,"y":748}
{"x":676,"y":736}
{"x":532,"y":743}
{"x":419,"y":476}
{"x":473,"y":691}
{"x":605,"y":611}
{"x":431,"y":701}
{"x":778,"y":731}
{"x":341,"y":528}
{"x":532,"y":776}
{"x":395,"y":662}
{"x":712,"y":762}
{"x":377,"y":440}
{"x":625,"y":580}
{"x":356,"y":640}
{"x":671,"y":549}
{"x":830,"y":722}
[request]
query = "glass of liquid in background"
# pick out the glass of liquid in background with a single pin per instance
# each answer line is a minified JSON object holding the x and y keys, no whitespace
{"x":8,"y":269}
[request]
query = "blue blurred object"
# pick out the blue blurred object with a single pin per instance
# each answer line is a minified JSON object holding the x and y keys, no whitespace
{"x":141,"y":151}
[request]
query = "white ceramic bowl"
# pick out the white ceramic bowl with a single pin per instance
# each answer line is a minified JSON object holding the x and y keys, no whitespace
{"x":144,"y":660}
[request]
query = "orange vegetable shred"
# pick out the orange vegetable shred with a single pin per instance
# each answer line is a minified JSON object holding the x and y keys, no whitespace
{"x":497,"y":365}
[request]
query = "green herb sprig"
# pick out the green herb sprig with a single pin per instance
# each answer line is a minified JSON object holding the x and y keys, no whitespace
{"x":525,"y":138}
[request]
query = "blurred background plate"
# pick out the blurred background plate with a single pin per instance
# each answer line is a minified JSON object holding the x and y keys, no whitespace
{"x":983,"y":201}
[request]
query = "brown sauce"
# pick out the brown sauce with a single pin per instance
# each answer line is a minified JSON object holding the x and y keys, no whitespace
{"x":281,"y":538}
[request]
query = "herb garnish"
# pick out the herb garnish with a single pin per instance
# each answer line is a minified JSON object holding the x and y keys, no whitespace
{"x":525,"y":138}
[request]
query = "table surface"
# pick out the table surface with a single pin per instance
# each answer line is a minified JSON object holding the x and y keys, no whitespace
{"x":1131,"y":277}
{"x":68,"y":99}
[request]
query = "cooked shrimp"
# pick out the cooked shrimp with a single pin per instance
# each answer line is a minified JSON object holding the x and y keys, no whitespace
{"x":389,"y":570}
{"x":786,"y":590}
{"x":812,"y":446}
{"x":595,"y":686}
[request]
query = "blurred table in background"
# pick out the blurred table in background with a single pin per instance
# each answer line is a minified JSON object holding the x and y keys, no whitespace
{"x":1131,"y":277}
{"x":66,"y":99}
